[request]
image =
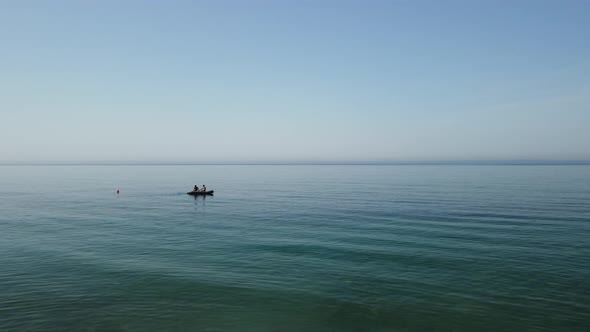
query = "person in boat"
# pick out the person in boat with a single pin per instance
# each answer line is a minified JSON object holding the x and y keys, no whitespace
{"x":204,"y":188}
{"x":196,"y":188}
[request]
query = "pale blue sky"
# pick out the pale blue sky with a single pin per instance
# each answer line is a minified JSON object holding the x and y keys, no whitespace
{"x":259,"y":81}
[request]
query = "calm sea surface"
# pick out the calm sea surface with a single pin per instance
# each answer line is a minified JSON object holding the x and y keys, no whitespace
{"x":295,"y":248}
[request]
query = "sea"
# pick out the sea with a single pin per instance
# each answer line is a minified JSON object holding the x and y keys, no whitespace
{"x":282,"y":248}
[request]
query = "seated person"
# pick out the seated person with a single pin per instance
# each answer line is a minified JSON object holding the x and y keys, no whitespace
{"x":196,"y":188}
{"x":204,"y":188}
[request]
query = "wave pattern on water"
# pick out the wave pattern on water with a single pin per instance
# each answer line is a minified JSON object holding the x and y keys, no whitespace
{"x":295,"y":248}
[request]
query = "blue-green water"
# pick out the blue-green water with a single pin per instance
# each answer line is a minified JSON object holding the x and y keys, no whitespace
{"x":295,"y":248}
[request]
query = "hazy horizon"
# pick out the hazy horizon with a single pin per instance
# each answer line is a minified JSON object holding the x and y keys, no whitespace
{"x":294,"y":82}
{"x":301,"y":162}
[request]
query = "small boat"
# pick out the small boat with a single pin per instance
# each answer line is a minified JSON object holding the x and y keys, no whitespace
{"x":198,"y":193}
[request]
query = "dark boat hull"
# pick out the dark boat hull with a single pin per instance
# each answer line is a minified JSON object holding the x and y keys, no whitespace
{"x":199,"y":193}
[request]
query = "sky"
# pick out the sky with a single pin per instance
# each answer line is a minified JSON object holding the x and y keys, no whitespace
{"x":294,"y":81}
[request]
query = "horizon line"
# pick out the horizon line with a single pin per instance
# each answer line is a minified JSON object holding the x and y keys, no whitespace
{"x":294,"y":163}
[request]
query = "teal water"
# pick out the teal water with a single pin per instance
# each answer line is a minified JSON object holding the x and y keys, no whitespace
{"x":295,"y":248}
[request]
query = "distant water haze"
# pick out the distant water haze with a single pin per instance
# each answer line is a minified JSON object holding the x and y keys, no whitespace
{"x":330,"y":81}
